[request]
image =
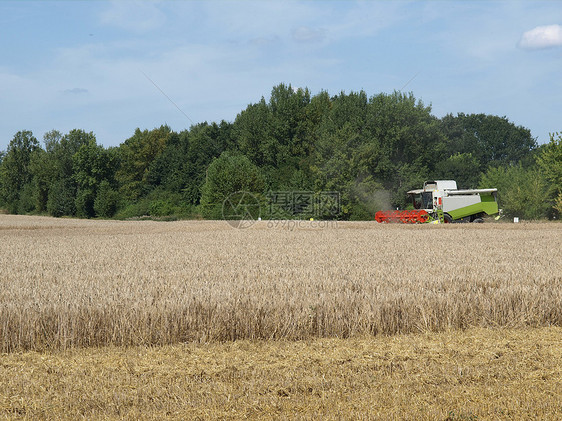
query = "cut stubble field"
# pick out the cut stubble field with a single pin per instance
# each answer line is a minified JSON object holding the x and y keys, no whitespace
{"x":304,"y":322}
{"x":496,"y":374}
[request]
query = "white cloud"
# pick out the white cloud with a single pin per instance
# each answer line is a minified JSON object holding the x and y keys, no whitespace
{"x":308,"y":34}
{"x":75,"y":91}
{"x":135,"y":16}
{"x":265,"y":41}
{"x":542,"y":37}
{"x":251,"y":19}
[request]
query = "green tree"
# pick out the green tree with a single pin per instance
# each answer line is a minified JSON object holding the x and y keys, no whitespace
{"x":521,"y":191}
{"x":84,"y":202}
{"x":52,"y":140}
{"x":92,"y":165}
{"x":204,"y":142}
{"x":54,"y":170}
{"x":558,"y":204}
{"x":252,"y":130}
{"x":334,"y":170}
{"x":26,"y":202}
{"x":410,"y":176}
{"x":2,"y":154}
{"x":406,"y":132}
{"x":45,"y":171}
{"x":68,"y":146}
{"x":105,"y":204}
{"x":379,"y":146}
{"x":279,"y":135}
{"x":15,"y":171}
{"x":461,"y":167}
{"x":229,"y":173}
{"x":136,"y":155}
{"x":550,"y":163}
{"x":492,"y":140}
{"x":343,"y":156}
{"x":289,"y":113}
{"x":62,"y":196}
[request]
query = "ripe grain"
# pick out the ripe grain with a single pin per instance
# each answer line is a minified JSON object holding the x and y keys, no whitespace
{"x":81,"y":283}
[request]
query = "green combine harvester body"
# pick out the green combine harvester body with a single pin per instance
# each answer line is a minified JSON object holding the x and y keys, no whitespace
{"x":441,"y":201}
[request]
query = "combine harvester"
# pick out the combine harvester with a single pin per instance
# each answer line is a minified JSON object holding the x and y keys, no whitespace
{"x":440,"y":202}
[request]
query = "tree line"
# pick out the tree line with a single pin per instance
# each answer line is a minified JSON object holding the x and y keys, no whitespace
{"x":371,"y":150}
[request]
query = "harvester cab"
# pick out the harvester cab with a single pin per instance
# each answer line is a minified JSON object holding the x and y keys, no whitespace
{"x":440,"y":201}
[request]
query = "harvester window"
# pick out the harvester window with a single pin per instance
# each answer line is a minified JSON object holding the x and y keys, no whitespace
{"x":427,"y":199}
{"x":416,"y":200}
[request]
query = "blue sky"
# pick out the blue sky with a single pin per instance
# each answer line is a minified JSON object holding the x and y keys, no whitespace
{"x":87,"y":64}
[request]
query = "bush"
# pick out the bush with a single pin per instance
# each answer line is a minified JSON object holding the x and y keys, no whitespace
{"x":85,"y":203}
{"x":158,"y":205}
{"x":521,"y":192}
{"x":558,"y":204}
{"x":61,"y":199}
{"x":26,"y":202}
{"x":162,"y":208}
{"x":106,"y":201}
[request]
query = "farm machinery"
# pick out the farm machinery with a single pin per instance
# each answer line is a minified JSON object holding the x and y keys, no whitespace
{"x":441,"y":202}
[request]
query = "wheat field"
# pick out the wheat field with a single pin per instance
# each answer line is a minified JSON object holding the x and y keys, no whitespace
{"x":82,"y":283}
{"x":300,"y":320}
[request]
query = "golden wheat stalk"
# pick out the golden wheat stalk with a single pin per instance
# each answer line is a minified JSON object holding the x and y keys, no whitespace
{"x":77,"y":283}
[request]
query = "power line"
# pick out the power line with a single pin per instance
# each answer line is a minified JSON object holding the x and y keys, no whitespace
{"x":407,"y":83}
{"x":169,"y":99}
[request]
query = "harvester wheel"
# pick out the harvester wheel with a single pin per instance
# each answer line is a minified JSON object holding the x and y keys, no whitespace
{"x":447,"y":219}
{"x":478,"y":220}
